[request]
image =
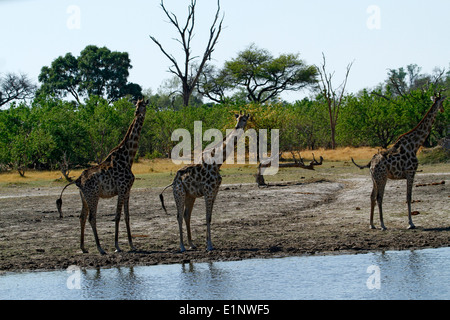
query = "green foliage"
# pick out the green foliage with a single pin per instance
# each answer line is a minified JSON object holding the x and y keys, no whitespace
{"x":43,"y":133}
{"x":260,"y":75}
{"x":370,"y":120}
{"x":23,"y":142}
{"x":104,"y":124}
{"x":306,"y":126}
{"x":97,"y":71}
{"x":60,"y":120}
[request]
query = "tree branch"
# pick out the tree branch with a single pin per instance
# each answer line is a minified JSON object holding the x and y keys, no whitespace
{"x":333,"y":97}
{"x":15,"y":87}
{"x":170,"y":57}
{"x":213,"y":38}
{"x":190,"y":77}
{"x":297,"y":163}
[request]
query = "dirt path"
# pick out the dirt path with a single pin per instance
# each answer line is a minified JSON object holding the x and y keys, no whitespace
{"x":326,"y":216}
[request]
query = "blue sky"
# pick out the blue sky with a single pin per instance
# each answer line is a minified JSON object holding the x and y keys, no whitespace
{"x":376,"y":35}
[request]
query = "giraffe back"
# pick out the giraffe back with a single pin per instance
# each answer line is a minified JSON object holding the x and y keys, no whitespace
{"x":198,"y":179}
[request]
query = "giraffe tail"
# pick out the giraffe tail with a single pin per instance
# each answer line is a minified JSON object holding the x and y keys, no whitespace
{"x":59,"y":201}
{"x":361,"y":167}
{"x":161,"y":197}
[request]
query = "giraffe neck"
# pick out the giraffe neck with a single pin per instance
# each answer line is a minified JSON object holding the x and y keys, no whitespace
{"x":227,"y":143}
{"x":416,"y":137}
{"x":132,"y":142}
{"x":126,"y":150}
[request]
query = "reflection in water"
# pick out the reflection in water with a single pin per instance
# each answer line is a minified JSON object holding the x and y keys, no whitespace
{"x":406,"y":275}
{"x":126,"y":284}
{"x":421,"y":274}
{"x":207,"y":280}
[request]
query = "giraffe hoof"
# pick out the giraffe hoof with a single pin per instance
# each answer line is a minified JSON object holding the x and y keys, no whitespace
{"x":411,"y":227}
{"x":84,"y":250}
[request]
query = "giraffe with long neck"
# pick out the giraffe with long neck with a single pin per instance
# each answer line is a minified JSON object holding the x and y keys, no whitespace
{"x":112,"y":177}
{"x":201,"y":180}
{"x":400,"y":162}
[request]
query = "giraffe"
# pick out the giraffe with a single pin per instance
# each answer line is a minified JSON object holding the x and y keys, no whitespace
{"x":400,"y":162}
{"x":112,"y":177}
{"x":201,"y":180}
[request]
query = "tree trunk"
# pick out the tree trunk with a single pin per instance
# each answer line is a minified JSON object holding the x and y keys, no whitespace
{"x":334,"y":97}
{"x":186,"y":94}
{"x":333,"y":136}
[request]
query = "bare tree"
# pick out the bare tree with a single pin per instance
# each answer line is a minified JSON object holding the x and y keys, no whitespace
{"x":15,"y":87}
{"x":332,"y":96}
{"x":190,"y":74}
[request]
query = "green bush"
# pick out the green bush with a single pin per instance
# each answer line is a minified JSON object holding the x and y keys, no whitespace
{"x":40,"y":134}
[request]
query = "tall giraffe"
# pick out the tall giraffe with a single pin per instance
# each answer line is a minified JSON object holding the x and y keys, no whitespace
{"x":112,"y":177}
{"x":400,"y":162}
{"x":198,"y":180}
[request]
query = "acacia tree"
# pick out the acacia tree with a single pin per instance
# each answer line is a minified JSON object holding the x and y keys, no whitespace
{"x":333,"y":96}
{"x":190,"y":73}
{"x":259,"y":74}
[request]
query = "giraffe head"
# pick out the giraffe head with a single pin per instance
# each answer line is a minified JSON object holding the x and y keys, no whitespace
{"x":440,"y":101}
{"x":241,"y":120}
{"x":141,"y":105}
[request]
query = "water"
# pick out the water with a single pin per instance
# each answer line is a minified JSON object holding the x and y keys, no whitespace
{"x":419,"y":274}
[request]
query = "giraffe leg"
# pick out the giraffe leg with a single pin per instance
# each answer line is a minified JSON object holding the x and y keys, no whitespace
{"x":188,"y":205}
{"x":373,"y":200}
{"x":209,"y":207}
{"x":83,"y":217}
{"x":93,"y":222}
{"x":179,"y":196}
{"x":409,"y":185}
{"x":380,"y":187}
{"x":120,"y":201}
{"x":127,"y":222}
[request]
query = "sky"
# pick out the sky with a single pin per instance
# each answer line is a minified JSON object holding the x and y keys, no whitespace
{"x":374,"y":35}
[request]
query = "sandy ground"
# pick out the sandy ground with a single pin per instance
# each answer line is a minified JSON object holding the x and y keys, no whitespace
{"x":330,"y":215}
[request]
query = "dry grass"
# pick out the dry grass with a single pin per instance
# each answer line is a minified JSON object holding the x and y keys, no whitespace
{"x":339,"y":154}
{"x":166,"y":165}
{"x":155,"y":166}
{"x":145,"y":167}
{"x":33,"y":176}
{"x":160,"y":172}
